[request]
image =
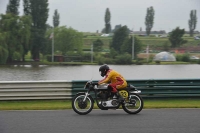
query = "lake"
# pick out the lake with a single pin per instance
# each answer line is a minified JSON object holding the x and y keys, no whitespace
{"x":87,"y":72}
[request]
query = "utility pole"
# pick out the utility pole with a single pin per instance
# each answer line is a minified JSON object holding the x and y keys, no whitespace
{"x":133,"y":46}
{"x":52,"y":37}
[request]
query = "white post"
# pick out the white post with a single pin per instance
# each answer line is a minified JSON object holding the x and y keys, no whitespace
{"x":53,"y":46}
{"x":92,"y":53}
{"x":147,"y":52}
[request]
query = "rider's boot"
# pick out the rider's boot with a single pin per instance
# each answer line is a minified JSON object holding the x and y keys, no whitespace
{"x":120,"y":98}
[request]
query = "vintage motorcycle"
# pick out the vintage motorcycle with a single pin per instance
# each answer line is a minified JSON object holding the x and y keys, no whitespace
{"x":83,"y":102}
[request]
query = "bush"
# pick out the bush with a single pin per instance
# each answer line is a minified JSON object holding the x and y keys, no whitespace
{"x":49,"y":58}
{"x":178,"y":57}
{"x":139,"y":61}
{"x":17,"y":56}
{"x":157,"y":62}
{"x":86,"y":57}
{"x":101,"y":60}
{"x":184,"y":57}
{"x":124,"y":59}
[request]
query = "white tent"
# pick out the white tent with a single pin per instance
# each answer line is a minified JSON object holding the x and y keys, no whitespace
{"x":164,"y":56}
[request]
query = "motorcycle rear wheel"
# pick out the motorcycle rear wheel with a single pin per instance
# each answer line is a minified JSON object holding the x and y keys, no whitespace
{"x":134,"y":105}
{"x":82,"y":107}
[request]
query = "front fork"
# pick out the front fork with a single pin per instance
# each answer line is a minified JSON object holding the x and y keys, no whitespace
{"x":86,"y":95}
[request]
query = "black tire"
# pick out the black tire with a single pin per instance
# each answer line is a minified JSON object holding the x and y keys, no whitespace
{"x":134,"y":105}
{"x":80,"y":107}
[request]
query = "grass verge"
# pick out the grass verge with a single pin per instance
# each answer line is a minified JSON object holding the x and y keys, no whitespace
{"x":66,"y":104}
{"x":172,"y":103}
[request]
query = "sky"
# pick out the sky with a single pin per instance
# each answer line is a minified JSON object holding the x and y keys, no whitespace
{"x":88,"y":15}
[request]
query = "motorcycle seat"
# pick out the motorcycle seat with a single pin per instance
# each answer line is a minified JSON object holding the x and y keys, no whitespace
{"x":131,"y":87}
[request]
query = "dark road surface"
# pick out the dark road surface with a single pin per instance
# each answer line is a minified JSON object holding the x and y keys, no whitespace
{"x":111,"y":121}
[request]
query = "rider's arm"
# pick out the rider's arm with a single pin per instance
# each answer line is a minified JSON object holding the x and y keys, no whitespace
{"x":106,"y":79}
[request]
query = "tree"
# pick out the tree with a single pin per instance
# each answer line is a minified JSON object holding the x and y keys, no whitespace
{"x":39,"y":13}
{"x":13,"y":6}
{"x":107,"y":21}
{"x":66,"y":40}
{"x":25,"y":34}
{"x":192,"y":22}
{"x":166,"y":46}
{"x":149,"y":20}
{"x":117,"y":27}
{"x":97,"y":45}
{"x":175,"y":37}
{"x":119,"y":37}
{"x":127,"y":46}
{"x":16,"y":32}
{"x":56,"y":18}
{"x":27,"y":8}
{"x":27,"y":12}
{"x":3,"y":49}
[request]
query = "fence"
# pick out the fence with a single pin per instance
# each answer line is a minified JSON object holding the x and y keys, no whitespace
{"x":151,"y":88}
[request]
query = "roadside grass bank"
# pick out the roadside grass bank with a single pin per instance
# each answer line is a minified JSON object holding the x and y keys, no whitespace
{"x":153,"y":42}
{"x":66,"y":104}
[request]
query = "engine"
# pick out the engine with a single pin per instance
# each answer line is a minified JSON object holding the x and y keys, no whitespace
{"x":110,"y":103}
{"x":103,"y":95}
{"x":108,"y":99}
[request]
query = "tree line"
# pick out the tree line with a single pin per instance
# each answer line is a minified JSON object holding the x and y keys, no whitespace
{"x":175,"y":36}
{"x":149,"y":21}
{"x":30,"y":33}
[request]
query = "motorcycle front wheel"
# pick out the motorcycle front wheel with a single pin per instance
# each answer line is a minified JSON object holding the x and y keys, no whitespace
{"x":82,"y":107}
{"x":134,"y":105}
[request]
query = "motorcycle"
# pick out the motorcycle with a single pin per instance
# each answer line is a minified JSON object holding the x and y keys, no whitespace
{"x":83,"y":102}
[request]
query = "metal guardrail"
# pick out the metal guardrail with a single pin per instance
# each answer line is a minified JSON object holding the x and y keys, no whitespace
{"x":29,"y":90}
{"x":151,"y":88}
{"x":168,"y":88}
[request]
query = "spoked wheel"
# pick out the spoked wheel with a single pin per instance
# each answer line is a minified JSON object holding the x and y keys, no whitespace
{"x":82,"y":107}
{"x":134,"y":105}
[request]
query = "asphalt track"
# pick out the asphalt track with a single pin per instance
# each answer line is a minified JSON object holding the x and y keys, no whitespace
{"x":111,"y":121}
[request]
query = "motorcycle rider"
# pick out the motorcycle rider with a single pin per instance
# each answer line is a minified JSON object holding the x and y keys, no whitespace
{"x":115,"y":79}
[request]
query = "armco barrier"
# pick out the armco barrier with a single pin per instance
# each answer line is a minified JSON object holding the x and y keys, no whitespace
{"x":158,"y":88}
{"x":29,"y":90}
{"x":151,"y":88}
{"x":170,"y":88}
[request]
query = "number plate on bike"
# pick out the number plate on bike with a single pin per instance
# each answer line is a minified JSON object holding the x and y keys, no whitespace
{"x":123,"y":93}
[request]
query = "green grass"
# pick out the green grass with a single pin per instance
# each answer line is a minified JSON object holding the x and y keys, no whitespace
{"x":35,"y":105}
{"x":153,"y":42}
{"x":171,"y":103}
{"x":66,"y":104}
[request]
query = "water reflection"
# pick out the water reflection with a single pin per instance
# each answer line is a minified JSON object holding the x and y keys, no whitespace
{"x":86,"y":72}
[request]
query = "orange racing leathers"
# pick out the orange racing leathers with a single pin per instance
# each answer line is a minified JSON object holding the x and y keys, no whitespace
{"x":115,"y":79}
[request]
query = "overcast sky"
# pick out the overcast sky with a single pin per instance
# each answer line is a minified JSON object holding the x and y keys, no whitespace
{"x":88,"y":15}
